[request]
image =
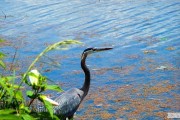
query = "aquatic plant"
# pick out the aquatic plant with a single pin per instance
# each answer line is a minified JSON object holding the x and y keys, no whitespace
{"x":2,"y":55}
{"x":13,"y":102}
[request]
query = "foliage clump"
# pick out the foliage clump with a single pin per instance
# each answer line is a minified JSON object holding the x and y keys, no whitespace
{"x":13,"y":104}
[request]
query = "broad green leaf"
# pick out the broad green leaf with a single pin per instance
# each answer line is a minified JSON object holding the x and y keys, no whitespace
{"x":26,"y":81}
{"x":54,"y":87}
{"x":7,"y":111}
{"x":11,"y":93}
{"x":27,"y":117}
{"x":55,"y":117}
{"x":27,"y":109}
{"x":24,"y":108}
{"x":2,"y":55}
{"x":10,"y":117}
{"x":49,"y":107}
{"x":16,"y":86}
{"x":48,"y":104}
{"x":30,"y":93}
{"x":2,"y":64}
{"x":43,"y":115}
{"x":3,"y":84}
{"x":19,"y":96}
{"x":8,"y":78}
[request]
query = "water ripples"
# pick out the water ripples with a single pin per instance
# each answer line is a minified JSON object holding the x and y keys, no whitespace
{"x":130,"y":26}
{"x":116,"y":22}
{"x":122,"y":20}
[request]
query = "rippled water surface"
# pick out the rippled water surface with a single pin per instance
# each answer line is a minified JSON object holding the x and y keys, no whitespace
{"x":138,"y":79}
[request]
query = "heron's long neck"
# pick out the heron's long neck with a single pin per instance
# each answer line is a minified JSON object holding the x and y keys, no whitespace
{"x":86,"y":85}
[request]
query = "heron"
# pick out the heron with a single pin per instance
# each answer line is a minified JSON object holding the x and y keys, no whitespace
{"x":70,"y":100}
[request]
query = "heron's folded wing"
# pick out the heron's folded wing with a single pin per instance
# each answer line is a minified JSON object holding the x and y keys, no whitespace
{"x":68,"y":103}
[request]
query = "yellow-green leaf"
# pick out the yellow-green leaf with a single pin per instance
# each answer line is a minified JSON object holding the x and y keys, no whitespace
{"x":29,"y":93}
{"x":54,"y":87}
{"x":27,"y":117}
{"x":7,"y":111}
{"x":49,"y":107}
{"x":2,"y":64}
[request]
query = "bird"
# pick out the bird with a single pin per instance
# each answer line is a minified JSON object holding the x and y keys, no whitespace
{"x":69,"y":101}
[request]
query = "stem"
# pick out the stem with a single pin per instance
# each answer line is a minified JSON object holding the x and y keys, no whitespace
{"x":13,"y":60}
{"x":1,"y":94}
{"x":35,"y":93}
{"x":31,"y":102}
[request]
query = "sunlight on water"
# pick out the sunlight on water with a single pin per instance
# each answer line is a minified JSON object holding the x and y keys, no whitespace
{"x":127,"y":82}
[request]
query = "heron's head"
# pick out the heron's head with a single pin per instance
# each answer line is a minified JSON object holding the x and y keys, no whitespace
{"x":94,"y":50}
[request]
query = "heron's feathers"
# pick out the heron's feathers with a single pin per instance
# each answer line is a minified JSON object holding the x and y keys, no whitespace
{"x":68,"y":102}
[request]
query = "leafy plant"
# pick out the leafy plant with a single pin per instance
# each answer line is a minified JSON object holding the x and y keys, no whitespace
{"x":13,"y":104}
{"x":2,"y":56}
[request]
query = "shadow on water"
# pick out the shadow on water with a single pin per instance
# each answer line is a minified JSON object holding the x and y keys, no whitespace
{"x":138,"y":79}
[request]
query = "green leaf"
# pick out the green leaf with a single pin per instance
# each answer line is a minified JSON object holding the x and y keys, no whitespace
{"x":26,"y":81}
{"x":17,"y":87}
{"x":2,"y":55}
{"x":30,"y":93}
{"x":11,"y":93}
{"x":4,"y":86}
{"x":7,"y":111}
{"x":7,"y":114}
{"x":2,"y":40}
{"x":55,"y":117}
{"x":19,"y":95}
{"x":27,"y":109}
{"x":43,"y":115}
{"x":10,"y":117}
{"x":8,"y":78}
{"x":49,"y":107}
{"x":47,"y":104}
{"x":23,"y":108}
{"x":2,"y":64}
{"x":27,"y":117}
{"x":54,"y":87}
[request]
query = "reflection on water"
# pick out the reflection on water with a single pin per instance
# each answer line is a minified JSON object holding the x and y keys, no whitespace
{"x":144,"y":35}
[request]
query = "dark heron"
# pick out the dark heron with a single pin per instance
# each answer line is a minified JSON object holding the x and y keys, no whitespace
{"x":70,"y":100}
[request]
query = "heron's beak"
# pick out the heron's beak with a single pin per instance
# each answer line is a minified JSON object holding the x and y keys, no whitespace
{"x":102,"y":49}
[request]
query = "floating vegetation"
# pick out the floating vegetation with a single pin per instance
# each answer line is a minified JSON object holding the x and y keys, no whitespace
{"x":131,"y":101}
{"x":1,"y":40}
{"x":98,"y":101}
{"x":142,"y":68}
{"x":133,"y":56}
{"x":159,"y":88}
{"x":170,"y":48}
{"x":4,"y":42}
{"x":106,"y":115}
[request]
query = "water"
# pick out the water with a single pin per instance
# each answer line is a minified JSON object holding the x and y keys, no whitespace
{"x":144,"y":34}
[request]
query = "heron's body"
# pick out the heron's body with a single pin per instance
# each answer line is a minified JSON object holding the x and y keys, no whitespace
{"x":70,"y":100}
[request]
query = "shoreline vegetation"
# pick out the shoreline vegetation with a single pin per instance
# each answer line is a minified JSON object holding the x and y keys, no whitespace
{"x":13,"y":102}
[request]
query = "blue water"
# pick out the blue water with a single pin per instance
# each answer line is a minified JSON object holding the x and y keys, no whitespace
{"x":130,"y":26}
